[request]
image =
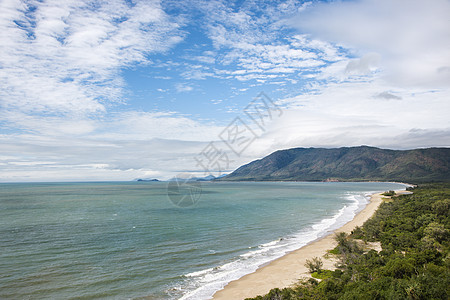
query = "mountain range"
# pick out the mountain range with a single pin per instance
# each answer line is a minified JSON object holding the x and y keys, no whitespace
{"x":361,"y":163}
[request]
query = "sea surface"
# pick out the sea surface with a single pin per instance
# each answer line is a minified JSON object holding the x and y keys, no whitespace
{"x":127,"y":240}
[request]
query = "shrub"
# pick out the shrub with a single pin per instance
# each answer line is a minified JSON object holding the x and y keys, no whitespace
{"x":324,"y":274}
{"x":314,"y":265}
{"x":390,"y":193}
{"x":334,"y":251}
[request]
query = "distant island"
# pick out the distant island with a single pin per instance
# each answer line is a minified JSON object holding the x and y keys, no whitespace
{"x":147,"y":180}
{"x":361,"y":163}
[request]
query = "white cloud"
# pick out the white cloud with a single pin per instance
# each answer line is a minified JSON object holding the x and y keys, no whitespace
{"x":207,"y":57}
{"x":135,"y":125}
{"x":197,"y":72}
{"x":65,"y":56}
{"x":128,"y":145}
{"x":411,"y":36}
{"x":216,"y":101}
{"x":364,"y":65}
{"x":183,"y":87}
{"x":349,"y":113}
{"x":60,"y":74}
{"x":253,"y":39}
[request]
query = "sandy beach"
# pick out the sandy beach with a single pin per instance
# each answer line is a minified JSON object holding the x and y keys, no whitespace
{"x":287,"y":270}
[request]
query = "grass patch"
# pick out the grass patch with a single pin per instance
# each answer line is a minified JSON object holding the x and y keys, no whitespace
{"x":324,"y":274}
{"x":334,"y":251}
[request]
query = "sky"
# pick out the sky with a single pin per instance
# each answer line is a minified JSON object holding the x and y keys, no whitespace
{"x":126,"y":89}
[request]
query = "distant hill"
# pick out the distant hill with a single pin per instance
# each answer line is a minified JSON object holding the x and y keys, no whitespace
{"x":193,"y":178}
{"x":348,"y":164}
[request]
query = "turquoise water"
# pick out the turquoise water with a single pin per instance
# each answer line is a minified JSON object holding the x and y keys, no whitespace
{"x":128,"y":241}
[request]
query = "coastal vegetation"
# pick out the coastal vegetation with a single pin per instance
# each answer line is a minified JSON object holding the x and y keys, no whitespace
{"x":389,"y":193}
{"x":414,"y":232}
{"x":349,"y":164}
{"x":314,"y":265}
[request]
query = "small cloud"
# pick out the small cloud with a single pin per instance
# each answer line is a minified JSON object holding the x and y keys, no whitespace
{"x":388,"y":96}
{"x":161,"y":90}
{"x":216,"y":101}
{"x":232,"y":110}
{"x":209,"y":53}
{"x":204,"y":59}
{"x":364,"y":65}
{"x":182,"y":87}
{"x":99,"y":166}
{"x":197,"y":74}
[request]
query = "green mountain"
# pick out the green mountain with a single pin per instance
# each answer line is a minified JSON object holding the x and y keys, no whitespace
{"x":349,"y":164}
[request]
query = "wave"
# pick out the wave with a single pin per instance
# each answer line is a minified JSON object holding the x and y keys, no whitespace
{"x":203,"y":284}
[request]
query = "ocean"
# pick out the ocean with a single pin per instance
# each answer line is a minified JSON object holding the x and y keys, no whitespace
{"x":130,"y":240}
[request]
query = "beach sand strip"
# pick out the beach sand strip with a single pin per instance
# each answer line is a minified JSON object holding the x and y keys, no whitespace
{"x":287,"y":270}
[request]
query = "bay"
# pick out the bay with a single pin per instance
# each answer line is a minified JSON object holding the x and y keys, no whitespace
{"x":127,"y":240}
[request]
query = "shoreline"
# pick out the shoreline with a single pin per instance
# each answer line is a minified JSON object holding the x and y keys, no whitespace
{"x":288,"y":269}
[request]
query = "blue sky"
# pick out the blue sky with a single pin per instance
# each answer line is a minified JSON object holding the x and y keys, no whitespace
{"x":117,"y":90}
